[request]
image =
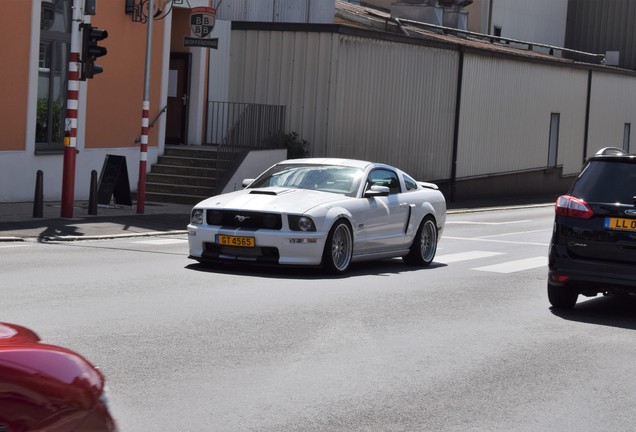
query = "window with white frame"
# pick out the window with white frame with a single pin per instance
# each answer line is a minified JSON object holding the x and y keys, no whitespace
{"x":55,"y":44}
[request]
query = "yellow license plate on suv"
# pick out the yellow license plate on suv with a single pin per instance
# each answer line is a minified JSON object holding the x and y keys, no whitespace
{"x":620,"y":224}
{"x":227,"y":240}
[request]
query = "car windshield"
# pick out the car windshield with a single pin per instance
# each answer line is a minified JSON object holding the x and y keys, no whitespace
{"x":607,"y":182}
{"x":325,"y":178}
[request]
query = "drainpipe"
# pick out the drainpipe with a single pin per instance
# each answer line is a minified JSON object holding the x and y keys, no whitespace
{"x":458,"y":102}
{"x":587,"y":114}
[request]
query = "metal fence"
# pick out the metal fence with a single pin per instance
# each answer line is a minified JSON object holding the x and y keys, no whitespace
{"x":237,"y":128}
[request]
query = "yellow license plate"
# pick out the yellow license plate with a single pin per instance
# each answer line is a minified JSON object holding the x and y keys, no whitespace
{"x":620,"y":224}
{"x":235,"y":241}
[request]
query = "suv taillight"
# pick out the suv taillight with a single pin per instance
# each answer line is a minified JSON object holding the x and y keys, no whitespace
{"x":570,"y":206}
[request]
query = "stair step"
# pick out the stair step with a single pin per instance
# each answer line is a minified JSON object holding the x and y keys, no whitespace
{"x":176,"y":189}
{"x":184,"y":171}
{"x":179,"y":179}
{"x":175,"y":199}
{"x":188,"y":161}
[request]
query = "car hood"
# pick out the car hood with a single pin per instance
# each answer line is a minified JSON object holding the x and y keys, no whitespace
{"x":272,"y":199}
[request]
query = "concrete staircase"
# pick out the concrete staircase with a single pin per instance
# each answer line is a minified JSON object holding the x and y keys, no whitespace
{"x":183,"y":175}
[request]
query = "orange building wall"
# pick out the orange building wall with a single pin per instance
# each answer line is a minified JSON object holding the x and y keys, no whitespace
{"x":15,"y":44}
{"x":180,"y":28}
{"x":115,"y":97}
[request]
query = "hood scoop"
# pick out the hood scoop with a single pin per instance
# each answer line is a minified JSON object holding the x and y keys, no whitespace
{"x":272,"y":191}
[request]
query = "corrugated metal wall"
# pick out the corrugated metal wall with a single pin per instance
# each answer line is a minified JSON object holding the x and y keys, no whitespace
{"x":603,"y":25}
{"x":505,"y":116}
{"x":613,"y":104}
{"x":395,"y":103}
{"x":286,"y":68}
{"x":354,"y":97}
{"x":299,"y":11}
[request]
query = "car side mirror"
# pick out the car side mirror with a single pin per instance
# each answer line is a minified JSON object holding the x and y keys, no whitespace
{"x":246,"y":182}
{"x":375,"y":191}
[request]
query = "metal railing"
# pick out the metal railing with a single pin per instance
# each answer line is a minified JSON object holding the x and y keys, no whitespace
{"x":237,"y":128}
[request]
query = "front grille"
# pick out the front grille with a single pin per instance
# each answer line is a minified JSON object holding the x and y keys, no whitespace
{"x":215,"y":251}
{"x":244,"y":219}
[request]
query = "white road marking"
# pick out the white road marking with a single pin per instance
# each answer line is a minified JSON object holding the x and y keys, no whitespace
{"x":465,"y":256}
{"x":516,"y":266}
{"x":486,"y":223}
{"x":481,"y":239}
{"x":12,"y":245}
{"x":162,"y":241}
{"x":514,"y":233}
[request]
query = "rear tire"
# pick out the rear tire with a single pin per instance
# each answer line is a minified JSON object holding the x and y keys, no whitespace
{"x":336,"y":257}
{"x":424,"y":244}
{"x":562,"y":297}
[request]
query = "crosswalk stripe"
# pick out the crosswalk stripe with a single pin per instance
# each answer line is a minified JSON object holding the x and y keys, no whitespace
{"x":515,"y":266}
{"x":465,"y":256}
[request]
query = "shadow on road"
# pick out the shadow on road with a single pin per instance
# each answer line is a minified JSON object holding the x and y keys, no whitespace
{"x":370,"y":268}
{"x":614,"y":310}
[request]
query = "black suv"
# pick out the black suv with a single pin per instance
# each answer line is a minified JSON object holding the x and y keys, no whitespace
{"x":593,"y":246}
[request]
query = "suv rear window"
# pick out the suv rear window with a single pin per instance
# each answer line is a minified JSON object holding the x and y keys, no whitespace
{"x":607,"y":181}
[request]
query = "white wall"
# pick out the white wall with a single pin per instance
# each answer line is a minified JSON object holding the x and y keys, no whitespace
{"x":541,"y":21}
{"x":505,"y":116}
{"x":612,"y":105}
{"x":254,"y":164}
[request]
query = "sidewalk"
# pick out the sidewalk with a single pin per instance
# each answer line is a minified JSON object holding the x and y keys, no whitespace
{"x":18,"y":224}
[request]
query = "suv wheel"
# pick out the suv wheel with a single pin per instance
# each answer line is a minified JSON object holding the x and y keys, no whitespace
{"x":562,"y":297}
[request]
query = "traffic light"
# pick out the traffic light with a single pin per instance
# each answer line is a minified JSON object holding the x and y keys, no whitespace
{"x":91,"y":50}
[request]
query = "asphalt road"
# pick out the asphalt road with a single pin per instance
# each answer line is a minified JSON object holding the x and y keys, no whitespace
{"x":469,"y":344}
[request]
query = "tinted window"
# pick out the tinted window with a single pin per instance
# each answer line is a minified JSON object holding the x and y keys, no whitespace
{"x":325,"y":178}
{"x":382,"y":177}
{"x":410,"y":183}
{"x":607,"y":182}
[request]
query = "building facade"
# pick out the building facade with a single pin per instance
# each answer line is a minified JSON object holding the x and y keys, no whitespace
{"x":480,"y":118}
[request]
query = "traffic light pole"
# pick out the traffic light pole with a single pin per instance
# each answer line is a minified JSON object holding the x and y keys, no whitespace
{"x":143,"y":148}
{"x":70,"y":127}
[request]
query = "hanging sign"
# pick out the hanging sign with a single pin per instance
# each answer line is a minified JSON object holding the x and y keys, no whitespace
{"x":202,"y":21}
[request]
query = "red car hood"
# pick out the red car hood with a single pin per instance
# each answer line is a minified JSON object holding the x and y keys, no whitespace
{"x":44,"y":385}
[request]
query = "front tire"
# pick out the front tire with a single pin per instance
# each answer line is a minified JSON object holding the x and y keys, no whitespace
{"x":336,"y":257}
{"x":424,"y":244}
{"x":561,"y":297}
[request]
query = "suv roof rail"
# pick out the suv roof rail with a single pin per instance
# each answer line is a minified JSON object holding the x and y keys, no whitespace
{"x":611,"y":151}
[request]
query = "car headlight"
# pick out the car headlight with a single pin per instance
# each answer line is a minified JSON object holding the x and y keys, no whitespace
{"x":196,"y":218}
{"x":301,"y":223}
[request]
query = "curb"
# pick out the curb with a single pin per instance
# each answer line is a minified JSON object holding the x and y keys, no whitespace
{"x":111,"y":236}
{"x":508,"y":207}
{"x":11,"y":239}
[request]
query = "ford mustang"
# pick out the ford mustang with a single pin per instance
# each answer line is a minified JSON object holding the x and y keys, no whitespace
{"x":321,"y":212}
{"x":48,"y":388}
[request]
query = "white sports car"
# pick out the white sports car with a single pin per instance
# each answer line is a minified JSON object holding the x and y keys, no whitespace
{"x":328,"y":212}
